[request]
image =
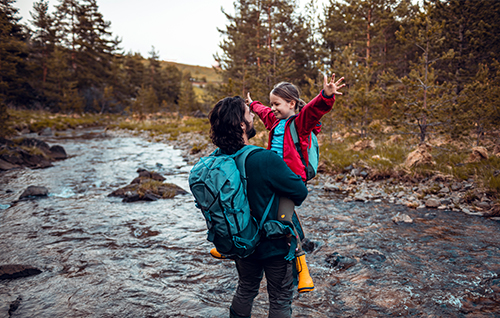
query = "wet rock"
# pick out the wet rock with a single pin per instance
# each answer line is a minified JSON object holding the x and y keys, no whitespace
{"x":308,"y":245}
{"x":35,"y":143}
{"x":128,"y":196}
{"x":340,"y":262}
{"x":432,"y":203}
{"x":402,"y":218}
{"x":430,"y":216}
{"x":4,"y":165}
{"x":29,"y":152}
{"x":148,"y":186}
{"x":34,"y":191}
{"x":145,"y":175}
{"x":373,"y":256}
{"x":58,"y":153}
{"x":143,"y":232}
{"x":484,"y":297}
{"x":14,"y":305}
{"x":47,"y":132}
{"x":13,"y":271}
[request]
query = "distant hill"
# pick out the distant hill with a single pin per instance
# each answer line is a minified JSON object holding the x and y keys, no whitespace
{"x":199,"y":73}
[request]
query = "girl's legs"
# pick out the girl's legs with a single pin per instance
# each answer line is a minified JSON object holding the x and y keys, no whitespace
{"x":285,"y":214}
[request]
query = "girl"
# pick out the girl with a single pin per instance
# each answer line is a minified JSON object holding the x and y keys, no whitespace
{"x":285,"y":101}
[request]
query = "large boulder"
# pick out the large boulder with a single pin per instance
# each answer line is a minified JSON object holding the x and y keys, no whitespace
{"x":478,"y":154}
{"x":12,"y":271}
{"x":28,"y":152}
{"x":420,"y":156}
{"x":34,"y":191}
{"x":149,"y":186}
{"x":57,"y":152}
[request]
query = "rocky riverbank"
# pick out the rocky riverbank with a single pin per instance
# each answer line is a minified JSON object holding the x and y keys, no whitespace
{"x":28,"y":152}
{"x":355,"y":184}
{"x":438,"y":192}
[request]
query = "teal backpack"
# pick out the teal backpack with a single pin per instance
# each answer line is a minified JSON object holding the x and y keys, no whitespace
{"x":312,"y":151}
{"x":219,"y":185}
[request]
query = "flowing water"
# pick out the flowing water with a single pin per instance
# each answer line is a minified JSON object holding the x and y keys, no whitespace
{"x":103,"y":258}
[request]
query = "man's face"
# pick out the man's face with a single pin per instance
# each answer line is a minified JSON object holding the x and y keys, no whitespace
{"x":250,"y":130}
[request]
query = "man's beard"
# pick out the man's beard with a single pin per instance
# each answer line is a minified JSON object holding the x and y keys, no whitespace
{"x":250,"y":132}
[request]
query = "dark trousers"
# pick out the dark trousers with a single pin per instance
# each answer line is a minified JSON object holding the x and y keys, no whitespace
{"x":279,"y":286}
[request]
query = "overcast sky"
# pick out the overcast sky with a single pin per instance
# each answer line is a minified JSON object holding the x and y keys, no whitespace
{"x":182,"y":31}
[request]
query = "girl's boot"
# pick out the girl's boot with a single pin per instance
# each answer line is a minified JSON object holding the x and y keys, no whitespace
{"x":215,"y":253}
{"x":305,"y":281}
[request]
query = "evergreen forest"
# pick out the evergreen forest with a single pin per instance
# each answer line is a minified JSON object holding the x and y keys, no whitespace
{"x":424,"y":70}
{"x":420,"y":67}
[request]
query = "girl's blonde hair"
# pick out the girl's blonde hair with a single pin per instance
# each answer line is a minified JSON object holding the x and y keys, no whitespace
{"x":289,"y":92}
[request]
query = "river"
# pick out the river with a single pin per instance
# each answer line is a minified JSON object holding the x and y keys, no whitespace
{"x":101,"y":257}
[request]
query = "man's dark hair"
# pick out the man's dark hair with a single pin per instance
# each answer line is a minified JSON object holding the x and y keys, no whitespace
{"x":225,"y":121}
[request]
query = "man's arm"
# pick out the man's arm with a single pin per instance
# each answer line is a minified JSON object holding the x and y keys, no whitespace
{"x":284,"y":181}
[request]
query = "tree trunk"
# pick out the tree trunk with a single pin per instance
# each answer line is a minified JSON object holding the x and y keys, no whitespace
{"x":368,"y":38}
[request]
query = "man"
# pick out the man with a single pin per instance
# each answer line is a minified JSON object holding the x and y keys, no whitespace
{"x":231,"y":128}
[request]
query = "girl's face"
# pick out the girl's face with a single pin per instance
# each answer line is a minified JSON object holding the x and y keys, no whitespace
{"x":281,"y":108}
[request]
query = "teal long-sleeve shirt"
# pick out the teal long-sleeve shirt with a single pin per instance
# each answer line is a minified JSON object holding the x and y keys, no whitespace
{"x":267,"y":173}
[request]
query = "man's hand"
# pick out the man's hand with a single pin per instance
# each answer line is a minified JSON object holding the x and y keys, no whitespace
{"x":332,"y":87}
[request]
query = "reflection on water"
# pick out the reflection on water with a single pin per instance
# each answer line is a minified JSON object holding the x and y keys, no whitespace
{"x":104,"y":258}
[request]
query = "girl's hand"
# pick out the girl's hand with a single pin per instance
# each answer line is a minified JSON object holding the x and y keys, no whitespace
{"x":332,"y":87}
{"x":248,"y":100}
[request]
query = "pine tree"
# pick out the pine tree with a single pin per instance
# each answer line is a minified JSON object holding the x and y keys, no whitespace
{"x":14,"y":69}
{"x":154,"y":74}
{"x":84,"y":33}
{"x":171,"y":84}
{"x":479,"y":103}
{"x":424,"y":100}
{"x":188,"y":102}
{"x":266,"y":42}
{"x":43,"y":41}
{"x":146,"y":101}
{"x":472,"y":29}
{"x":368,"y":28}
{"x":135,"y":70}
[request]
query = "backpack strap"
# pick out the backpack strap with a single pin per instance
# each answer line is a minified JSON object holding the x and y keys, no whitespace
{"x":240,"y":157}
{"x":264,"y":216}
{"x":296,"y":141}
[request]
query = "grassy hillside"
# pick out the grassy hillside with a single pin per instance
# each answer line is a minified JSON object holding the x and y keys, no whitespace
{"x":199,"y":73}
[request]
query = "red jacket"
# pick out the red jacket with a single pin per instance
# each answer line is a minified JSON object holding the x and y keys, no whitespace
{"x":306,"y":121}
